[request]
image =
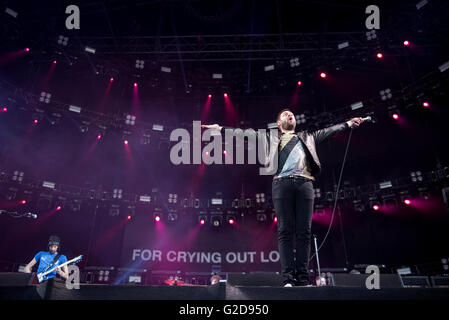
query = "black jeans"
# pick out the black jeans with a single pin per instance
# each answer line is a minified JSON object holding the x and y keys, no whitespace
{"x":293,"y":202}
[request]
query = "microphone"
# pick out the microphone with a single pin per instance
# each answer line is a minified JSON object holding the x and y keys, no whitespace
{"x":368,"y":119}
{"x":31,"y":215}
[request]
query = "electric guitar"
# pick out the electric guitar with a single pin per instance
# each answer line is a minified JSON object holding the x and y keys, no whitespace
{"x":42,"y":276}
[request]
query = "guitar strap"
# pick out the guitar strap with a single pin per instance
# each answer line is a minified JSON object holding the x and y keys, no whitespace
{"x":53,"y":263}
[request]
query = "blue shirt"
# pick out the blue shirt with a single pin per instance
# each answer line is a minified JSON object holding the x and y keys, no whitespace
{"x":45,"y":258}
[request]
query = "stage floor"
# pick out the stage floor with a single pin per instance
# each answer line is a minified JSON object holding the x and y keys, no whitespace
{"x":221,"y":291}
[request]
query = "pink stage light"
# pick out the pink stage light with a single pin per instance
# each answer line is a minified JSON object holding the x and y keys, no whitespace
{"x":225,"y":95}
{"x":58,"y":208}
{"x":323,"y":75}
{"x":275,"y":219}
{"x":406,"y":43}
{"x":395,"y":116}
{"x":112,"y":79}
{"x":202,"y":221}
{"x":135,"y":84}
{"x":231,"y":221}
{"x":27,"y":49}
{"x":125,"y":142}
{"x":23,"y":202}
{"x":224,"y":152}
{"x":379,"y":55}
{"x":299,"y":83}
{"x":128,"y":217}
{"x":5,"y":109}
{"x":407,"y":202}
{"x":376,"y":207}
{"x":35,"y":121}
{"x":209,"y":96}
{"x":54,"y":61}
{"x":426,"y":104}
{"x":157,"y":218}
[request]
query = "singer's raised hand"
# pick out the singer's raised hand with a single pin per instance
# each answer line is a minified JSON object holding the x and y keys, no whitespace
{"x":355,"y":122}
{"x":211,"y":126}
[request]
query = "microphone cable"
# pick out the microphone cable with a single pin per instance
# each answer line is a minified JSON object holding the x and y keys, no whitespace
{"x":336,"y":195}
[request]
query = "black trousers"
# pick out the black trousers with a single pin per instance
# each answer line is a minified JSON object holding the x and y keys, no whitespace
{"x":293,"y":202}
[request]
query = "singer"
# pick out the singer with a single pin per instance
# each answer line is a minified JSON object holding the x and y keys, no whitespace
{"x":292,"y":190}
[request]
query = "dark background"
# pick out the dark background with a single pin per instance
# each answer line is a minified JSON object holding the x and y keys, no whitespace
{"x":178,"y":34}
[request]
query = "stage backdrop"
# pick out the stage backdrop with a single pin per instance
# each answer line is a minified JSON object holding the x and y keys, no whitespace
{"x":187,"y":246}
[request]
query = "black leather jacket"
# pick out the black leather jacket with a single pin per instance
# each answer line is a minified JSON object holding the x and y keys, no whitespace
{"x":271,"y":139}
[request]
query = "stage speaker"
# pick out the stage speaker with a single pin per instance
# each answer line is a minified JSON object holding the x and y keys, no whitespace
{"x":254,"y":279}
{"x":359,"y":280}
{"x":12,"y":279}
{"x":416,"y":281}
{"x":440,"y":281}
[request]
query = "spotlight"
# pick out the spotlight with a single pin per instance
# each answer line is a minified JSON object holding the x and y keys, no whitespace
{"x":416,"y":176}
{"x":395,"y":116}
{"x":114,"y":210}
{"x":209,"y":96}
{"x":407,"y":201}
{"x":172,"y":216}
{"x":301,"y":118}
{"x":112,"y":79}
{"x":130,"y":120}
{"x":299,"y":83}
{"x":18,"y":176}
{"x":260,"y":197}
{"x":379,"y":55}
{"x":425,"y":104}
{"x":157,"y":218}
{"x":27,"y":49}
{"x":128,"y":218}
{"x":126,"y":142}
{"x":323,"y":75}
{"x":63,"y":40}
{"x":216,"y":220}
{"x":83,"y":128}
{"x":135,"y":84}
{"x":370,"y":35}
{"x":275,"y":219}
{"x":202,"y":219}
{"x":385,"y":94}
{"x":172,"y":198}
{"x":45,"y":97}
{"x":23,"y":202}
{"x":294,"y":62}
{"x":117,"y":193}
{"x":58,"y":208}
{"x":406,"y":43}
{"x":376,"y":207}
{"x":4,"y":109}
{"x":225,"y":95}
{"x":358,"y":206}
{"x":139,"y":64}
{"x":54,"y":61}
{"x":231,"y":221}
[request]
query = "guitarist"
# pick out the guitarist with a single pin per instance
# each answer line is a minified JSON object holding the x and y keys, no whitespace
{"x":49,"y":259}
